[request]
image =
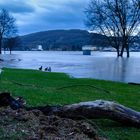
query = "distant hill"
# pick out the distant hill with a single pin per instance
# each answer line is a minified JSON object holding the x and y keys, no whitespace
{"x":62,"y":40}
{"x":66,"y":40}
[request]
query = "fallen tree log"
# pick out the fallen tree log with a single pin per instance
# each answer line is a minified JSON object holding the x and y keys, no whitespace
{"x":99,"y":109}
{"x":102,"y":109}
{"x":7,"y":100}
{"x":90,"y":110}
{"x":137,"y":84}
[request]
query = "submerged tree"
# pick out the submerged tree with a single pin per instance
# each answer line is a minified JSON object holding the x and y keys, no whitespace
{"x":11,"y":42}
{"x":7,"y":26}
{"x":118,"y":20}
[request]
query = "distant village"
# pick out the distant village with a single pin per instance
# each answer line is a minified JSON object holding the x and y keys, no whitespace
{"x":88,"y":48}
{"x":37,"y":48}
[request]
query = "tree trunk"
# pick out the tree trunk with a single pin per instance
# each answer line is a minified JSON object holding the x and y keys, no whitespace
{"x":89,"y":110}
{"x":125,"y":45}
{"x":99,"y":109}
{"x":127,"y":51}
{"x":10,"y":51}
{"x":122,"y":50}
{"x":118,"y":53}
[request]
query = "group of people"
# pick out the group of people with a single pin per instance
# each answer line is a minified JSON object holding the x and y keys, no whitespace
{"x":48,"y":69}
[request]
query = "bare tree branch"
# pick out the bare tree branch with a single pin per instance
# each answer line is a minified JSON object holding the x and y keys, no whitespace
{"x":117,"y":19}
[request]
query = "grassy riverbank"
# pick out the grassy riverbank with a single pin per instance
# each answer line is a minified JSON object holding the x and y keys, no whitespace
{"x":41,"y":88}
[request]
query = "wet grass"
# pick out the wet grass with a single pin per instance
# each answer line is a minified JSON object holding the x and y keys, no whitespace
{"x":41,"y":88}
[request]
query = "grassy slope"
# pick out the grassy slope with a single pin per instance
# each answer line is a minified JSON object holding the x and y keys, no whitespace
{"x":45,"y":88}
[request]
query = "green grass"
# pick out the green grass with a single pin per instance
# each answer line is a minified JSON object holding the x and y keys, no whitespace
{"x":41,"y":88}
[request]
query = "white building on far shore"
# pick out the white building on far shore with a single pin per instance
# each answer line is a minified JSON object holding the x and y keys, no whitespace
{"x":89,"y":47}
{"x":38,"y":48}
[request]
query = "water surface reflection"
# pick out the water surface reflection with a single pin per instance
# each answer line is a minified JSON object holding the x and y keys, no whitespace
{"x":100,"y":65}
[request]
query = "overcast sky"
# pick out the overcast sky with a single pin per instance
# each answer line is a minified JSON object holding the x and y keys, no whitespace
{"x":41,"y":15}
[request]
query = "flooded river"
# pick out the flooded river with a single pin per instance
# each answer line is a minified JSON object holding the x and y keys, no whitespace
{"x":100,"y":65}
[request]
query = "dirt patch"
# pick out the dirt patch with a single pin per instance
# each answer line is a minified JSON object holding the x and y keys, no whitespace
{"x":33,"y":125}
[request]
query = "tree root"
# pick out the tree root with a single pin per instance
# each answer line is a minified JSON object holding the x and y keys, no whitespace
{"x":92,"y":86}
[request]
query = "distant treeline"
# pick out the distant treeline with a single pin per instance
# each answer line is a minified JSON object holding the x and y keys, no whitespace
{"x":65,"y":40}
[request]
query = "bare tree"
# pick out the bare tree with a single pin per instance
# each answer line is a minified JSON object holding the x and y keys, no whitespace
{"x":119,"y":20}
{"x":7,"y":26}
{"x":11,"y":42}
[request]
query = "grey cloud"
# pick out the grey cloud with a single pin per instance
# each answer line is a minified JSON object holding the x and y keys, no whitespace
{"x":47,"y":14}
{"x":69,"y":14}
{"x":15,"y":6}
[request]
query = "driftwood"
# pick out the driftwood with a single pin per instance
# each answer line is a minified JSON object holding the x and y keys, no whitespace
{"x":98,"y":109}
{"x":90,"y":110}
{"x":7,"y":100}
{"x":137,"y":84}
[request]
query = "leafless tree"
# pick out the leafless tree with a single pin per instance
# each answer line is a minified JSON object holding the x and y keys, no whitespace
{"x":7,"y":26}
{"x":11,"y":42}
{"x":118,"y":20}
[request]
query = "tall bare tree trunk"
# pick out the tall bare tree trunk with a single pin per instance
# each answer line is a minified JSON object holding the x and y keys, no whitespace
{"x":10,"y":51}
{"x":125,"y":45}
{"x":127,"y":50}
{"x":122,"y":50}
{"x":118,"y":53}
